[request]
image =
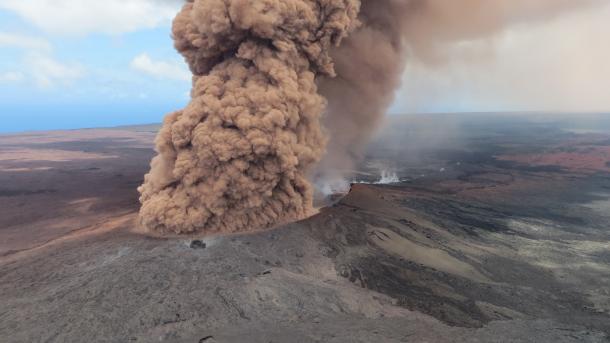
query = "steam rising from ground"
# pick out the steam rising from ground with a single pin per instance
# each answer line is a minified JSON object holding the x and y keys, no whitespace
{"x":239,"y":156}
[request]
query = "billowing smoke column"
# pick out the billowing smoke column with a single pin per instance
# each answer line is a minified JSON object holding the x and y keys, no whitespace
{"x":239,"y":156}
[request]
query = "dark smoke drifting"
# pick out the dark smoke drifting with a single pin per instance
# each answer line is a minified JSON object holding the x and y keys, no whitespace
{"x":369,"y":63}
{"x":239,"y":156}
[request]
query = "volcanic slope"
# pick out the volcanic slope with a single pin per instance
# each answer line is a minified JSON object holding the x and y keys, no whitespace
{"x":488,"y":249}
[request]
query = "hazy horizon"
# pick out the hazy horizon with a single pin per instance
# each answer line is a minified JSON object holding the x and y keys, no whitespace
{"x":582,"y":120}
{"x":76,"y":66}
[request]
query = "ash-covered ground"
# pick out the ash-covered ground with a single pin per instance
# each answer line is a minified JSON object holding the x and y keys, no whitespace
{"x":489,"y":228}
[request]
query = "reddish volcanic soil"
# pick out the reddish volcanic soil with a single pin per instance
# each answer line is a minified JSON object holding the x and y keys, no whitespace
{"x":585,"y":159}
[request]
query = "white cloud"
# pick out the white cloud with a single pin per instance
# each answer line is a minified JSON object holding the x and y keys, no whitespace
{"x":79,"y":17}
{"x":47,"y":72}
{"x":37,"y":64}
{"x":161,"y":69}
{"x":11,"y":76}
{"x":8,"y":39}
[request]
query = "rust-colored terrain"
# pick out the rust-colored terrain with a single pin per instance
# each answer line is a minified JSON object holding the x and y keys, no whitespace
{"x":497,"y":231}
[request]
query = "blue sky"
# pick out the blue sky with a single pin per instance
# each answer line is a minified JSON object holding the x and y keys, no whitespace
{"x":75,"y":63}
{"x":66,"y":77}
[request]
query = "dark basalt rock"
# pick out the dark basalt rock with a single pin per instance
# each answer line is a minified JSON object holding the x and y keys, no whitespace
{"x":197,"y":244}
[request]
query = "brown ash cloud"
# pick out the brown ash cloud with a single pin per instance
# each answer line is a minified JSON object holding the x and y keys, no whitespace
{"x":280,"y":84}
{"x":238,"y":156}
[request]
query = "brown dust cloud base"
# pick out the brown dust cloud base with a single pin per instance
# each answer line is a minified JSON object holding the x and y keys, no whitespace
{"x":485,"y":235}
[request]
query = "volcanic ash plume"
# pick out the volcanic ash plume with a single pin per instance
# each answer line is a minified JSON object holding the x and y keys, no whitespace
{"x":237,"y":157}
